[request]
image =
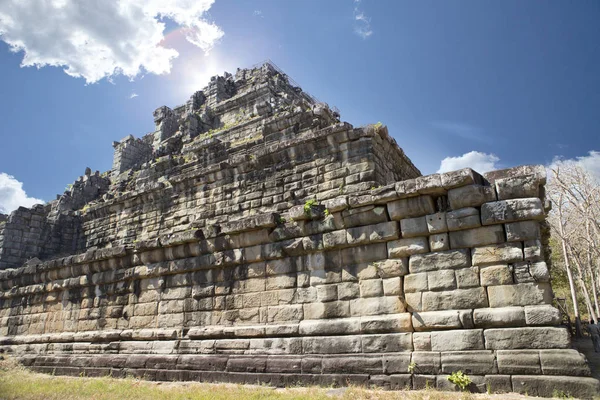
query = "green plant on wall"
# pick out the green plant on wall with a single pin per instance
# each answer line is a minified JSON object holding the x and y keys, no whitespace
{"x":460,"y":379}
{"x":308,"y":205}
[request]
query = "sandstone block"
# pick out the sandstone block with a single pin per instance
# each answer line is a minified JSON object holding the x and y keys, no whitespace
{"x":439,"y":260}
{"x":548,"y":386}
{"x":327,"y":293}
{"x":414,"y":227}
{"x":454,"y":299}
{"x":526,"y":338}
{"x":386,"y":323}
{"x":496,"y":275}
{"x":478,"y":362}
{"x":499,"y":317}
{"x":470,"y":196}
{"x":376,"y":305}
{"x":511,"y":210}
{"x":532,"y":250}
{"x":564,"y":362}
{"x":531,"y":272}
{"x":392,"y":286}
{"x":427,"y":362}
{"x":332,"y":309}
{"x":461,"y":177}
{"x":348,"y":290}
{"x":436,"y":223}
{"x":501,"y":253}
{"x":522,"y":294}
{"x":340,"y":326}
{"x":477,"y":237}
{"x":407,"y":247}
{"x":439,"y":242}
{"x":340,"y":238}
{"x":542,"y":315}
{"x":457,"y":340}
{"x":522,"y":231}
{"x":371,"y":288}
{"x":498,"y":383}
{"x":415,"y":283}
{"x":518,"y":187}
{"x":441,"y":280}
{"x":436,"y":320}
{"x":519,"y":362}
{"x":411,"y":207}
{"x":422,"y":341}
{"x":467,"y":277}
{"x":464,"y":218}
{"x":331,"y":344}
{"x":392,"y":268}
{"x":392,"y":342}
{"x":397,"y":363}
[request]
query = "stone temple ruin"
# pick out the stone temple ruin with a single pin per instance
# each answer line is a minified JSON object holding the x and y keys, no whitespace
{"x":253,"y":237}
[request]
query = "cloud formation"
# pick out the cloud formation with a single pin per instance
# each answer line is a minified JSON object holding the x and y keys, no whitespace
{"x":480,"y":162}
{"x":12,"y":194}
{"x":591,"y":162}
{"x":362,"y":23}
{"x":100,"y":39}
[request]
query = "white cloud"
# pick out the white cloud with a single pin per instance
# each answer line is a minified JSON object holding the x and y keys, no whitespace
{"x":12,"y":194}
{"x":362,"y":25}
{"x":258,"y":13}
{"x":101,"y":39}
{"x":133,"y":95}
{"x":480,"y":162}
{"x":591,"y":162}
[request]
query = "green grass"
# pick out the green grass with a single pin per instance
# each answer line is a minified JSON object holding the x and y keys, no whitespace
{"x":17,"y":382}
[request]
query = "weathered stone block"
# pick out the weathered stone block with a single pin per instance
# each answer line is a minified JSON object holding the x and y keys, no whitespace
{"x":439,"y":242}
{"x":563,"y":362}
{"x":341,"y":326}
{"x":371,"y":288}
{"x":542,"y":315}
{"x":464,"y":218}
{"x":470,"y":196}
{"x":526,"y":338}
{"x":426,"y":362}
{"x":454,"y":299}
{"x":386,"y":323}
{"x":407,"y":247}
{"x":376,"y":305}
{"x":502,"y":253}
{"x":415,"y":282}
{"x":411,"y":207}
{"x":548,"y":386}
{"x":457,"y":340}
{"x":413,"y":227}
{"x":470,"y":362}
{"x":436,"y":320}
{"x":511,"y":210}
{"x":522,"y":231}
{"x":477,"y":237}
{"x":499,"y":317}
{"x":519,"y":362}
{"x":439,"y":260}
{"x":441,"y":280}
{"x":522,"y":294}
{"x":467,"y":277}
{"x":392,"y":342}
{"x":518,"y":187}
{"x":392,"y":286}
{"x":496,"y":275}
{"x":331,"y":344}
{"x":461,"y":177}
{"x":436,"y":223}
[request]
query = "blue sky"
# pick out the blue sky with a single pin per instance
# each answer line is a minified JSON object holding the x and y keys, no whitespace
{"x":488,"y":84}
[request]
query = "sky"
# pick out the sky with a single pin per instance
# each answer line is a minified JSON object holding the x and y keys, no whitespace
{"x":476,"y":83}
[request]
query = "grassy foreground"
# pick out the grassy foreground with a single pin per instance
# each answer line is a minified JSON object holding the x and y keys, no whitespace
{"x":18,"y":383}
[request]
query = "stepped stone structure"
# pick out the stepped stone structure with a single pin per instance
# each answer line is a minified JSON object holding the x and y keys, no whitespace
{"x":253,"y":237}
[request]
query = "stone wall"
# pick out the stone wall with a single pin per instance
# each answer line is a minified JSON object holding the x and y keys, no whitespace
{"x":282,"y":246}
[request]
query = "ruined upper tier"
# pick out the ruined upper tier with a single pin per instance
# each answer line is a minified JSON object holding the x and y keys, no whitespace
{"x":247,"y":143}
